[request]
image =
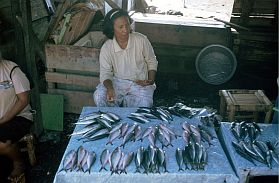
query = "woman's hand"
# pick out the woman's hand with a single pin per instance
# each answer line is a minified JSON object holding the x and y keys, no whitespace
{"x":144,"y":82}
{"x":110,"y":95}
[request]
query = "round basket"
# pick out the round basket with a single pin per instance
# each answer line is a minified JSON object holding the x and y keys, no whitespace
{"x":216,"y":64}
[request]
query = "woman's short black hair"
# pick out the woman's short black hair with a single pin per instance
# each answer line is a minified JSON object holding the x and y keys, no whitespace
{"x":109,"y":20}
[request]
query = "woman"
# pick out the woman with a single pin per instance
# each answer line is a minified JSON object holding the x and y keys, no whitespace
{"x":15,"y":115}
{"x":128,"y":65}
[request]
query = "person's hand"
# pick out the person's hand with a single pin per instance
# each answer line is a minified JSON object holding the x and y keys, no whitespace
{"x":110,"y":95}
{"x":144,"y":82}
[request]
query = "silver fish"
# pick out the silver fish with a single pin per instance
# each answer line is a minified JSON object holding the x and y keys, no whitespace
{"x":114,"y":159}
{"x":126,"y":162}
{"x":114,"y":116}
{"x":69,"y":161}
{"x":104,"y":159}
{"x":179,"y":158}
{"x":81,"y":154}
{"x":139,"y":158}
{"x":90,"y":160}
{"x":113,"y":136}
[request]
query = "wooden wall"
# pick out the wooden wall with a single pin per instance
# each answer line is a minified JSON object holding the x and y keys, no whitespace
{"x":177,"y":41}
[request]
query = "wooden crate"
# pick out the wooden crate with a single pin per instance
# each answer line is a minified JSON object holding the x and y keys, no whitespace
{"x":235,"y":102}
{"x":72,"y":71}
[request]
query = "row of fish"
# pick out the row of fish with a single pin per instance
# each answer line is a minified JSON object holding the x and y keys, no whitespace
{"x":150,"y":160}
{"x":264,"y":152}
{"x":249,"y":147}
{"x":193,"y":154}
{"x":245,"y":131}
{"x":195,"y":134}
{"x":145,"y":114}
{"x":97,"y":125}
{"x":81,"y":159}
{"x":118,"y":161}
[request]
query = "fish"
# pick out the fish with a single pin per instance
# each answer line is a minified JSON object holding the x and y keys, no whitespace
{"x":114,"y":116}
{"x":69,"y":161}
{"x":90,"y":160}
{"x":86,"y":122}
{"x":166,"y":136}
{"x":146,"y":133}
{"x":90,"y":116}
{"x":113,"y":136}
{"x":152,"y":139}
{"x":269,"y":159}
{"x":127,"y":138}
{"x":186,"y":136}
{"x":207,"y":130}
{"x":206,"y":137}
{"x":185,"y":159}
{"x":124,"y":129}
{"x":137,"y":132}
{"x":85,"y":129}
{"x":186,"y":126}
{"x":240,"y":150}
{"x":167,"y":129}
{"x":116,"y":127}
{"x":140,"y":119}
{"x":105,"y":123}
{"x":160,"y":157}
{"x":81,"y":154}
{"x":139,"y":158}
{"x":179,"y":158}
{"x":102,"y":133}
{"x":114,"y":159}
{"x":104,"y":159}
{"x":126,"y":162}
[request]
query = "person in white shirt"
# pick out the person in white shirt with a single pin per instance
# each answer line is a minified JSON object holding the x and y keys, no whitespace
{"x":15,"y":116}
{"x":128,"y":65}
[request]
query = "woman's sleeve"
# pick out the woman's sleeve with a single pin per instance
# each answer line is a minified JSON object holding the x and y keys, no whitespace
{"x":20,"y":81}
{"x":106,"y":70}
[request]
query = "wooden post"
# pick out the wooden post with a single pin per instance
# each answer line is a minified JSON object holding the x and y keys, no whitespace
{"x":31,"y":63}
{"x":125,"y":5}
{"x":18,"y":39}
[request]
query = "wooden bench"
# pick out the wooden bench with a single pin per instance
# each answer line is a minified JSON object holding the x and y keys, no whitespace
{"x":73,"y":72}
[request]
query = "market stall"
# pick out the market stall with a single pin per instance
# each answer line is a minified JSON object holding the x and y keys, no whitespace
{"x":217,"y":169}
{"x":243,"y":167}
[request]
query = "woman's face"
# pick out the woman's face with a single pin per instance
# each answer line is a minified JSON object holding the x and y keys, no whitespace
{"x":121,"y":28}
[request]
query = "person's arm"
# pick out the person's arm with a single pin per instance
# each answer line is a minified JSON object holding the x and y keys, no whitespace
{"x":22,"y":102}
{"x":106,"y":72}
{"x":149,"y":81}
{"x":151,"y":62}
{"x":110,"y":91}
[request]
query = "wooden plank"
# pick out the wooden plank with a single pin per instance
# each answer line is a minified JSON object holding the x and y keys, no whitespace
{"x":258,"y":22}
{"x":260,"y":37}
{"x":77,"y":27}
{"x":73,"y":79}
{"x":61,"y":8}
{"x":74,"y":101}
{"x":260,"y":6}
{"x":175,"y":51}
{"x":193,"y":36}
{"x":72,"y":58}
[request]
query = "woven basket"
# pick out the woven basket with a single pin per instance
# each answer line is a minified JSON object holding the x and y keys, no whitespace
{"x":216,"y":64}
